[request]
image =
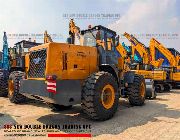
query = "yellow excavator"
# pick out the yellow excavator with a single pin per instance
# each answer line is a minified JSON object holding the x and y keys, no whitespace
{"x":139,"y":47}
{"x":155,"y":77}
{"x":173,"y":70}
{"x":143,"y":51}
{"x":127,"y":56}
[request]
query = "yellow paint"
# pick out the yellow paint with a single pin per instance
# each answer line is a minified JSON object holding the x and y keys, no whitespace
{"x":142,"y":90}
{"x":176,"y":76}
{"x":80,"y":61}
{"x":138,"y":46}
{"x":10,"y":87}
{"x":155,"y":75}
{"x":27,"y":62}
{"x":108,"y":96}
{"x":154,"y":44}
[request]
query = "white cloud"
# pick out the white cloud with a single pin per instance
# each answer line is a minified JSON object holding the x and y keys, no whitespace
{"x":123,"y":0}
{"x":150,"y":16}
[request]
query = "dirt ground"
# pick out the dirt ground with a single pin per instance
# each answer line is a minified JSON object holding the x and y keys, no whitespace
{"x":157,"y":119}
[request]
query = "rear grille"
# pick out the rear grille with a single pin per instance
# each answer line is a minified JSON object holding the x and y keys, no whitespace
{"x":37,"y":64}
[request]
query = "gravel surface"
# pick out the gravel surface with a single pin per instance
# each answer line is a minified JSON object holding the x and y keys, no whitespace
{"x":157,"y":119}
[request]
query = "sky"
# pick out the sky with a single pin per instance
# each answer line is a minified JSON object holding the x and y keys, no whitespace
{"x":159,"y":18}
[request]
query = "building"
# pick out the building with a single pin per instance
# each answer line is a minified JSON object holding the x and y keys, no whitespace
{"x":23,"y":46}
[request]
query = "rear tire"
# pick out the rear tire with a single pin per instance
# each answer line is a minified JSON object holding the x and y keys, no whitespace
{"x":137,"y":91}
{"x":158,"y":88}
{"x":3,"y":84}
{"x":152,"y":97}
{"x":13,"y":87}
{"x":100,"y":96}
{"x":167,"y":88}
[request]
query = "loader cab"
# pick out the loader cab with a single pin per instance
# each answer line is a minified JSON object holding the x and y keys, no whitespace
{"x":105,"y":41}
{"x":99,"y":35}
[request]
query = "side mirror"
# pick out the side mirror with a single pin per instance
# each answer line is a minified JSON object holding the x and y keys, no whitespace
{"x":117,"y":40}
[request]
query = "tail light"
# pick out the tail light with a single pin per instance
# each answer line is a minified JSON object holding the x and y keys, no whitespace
{"x":150,"y":58}
{"x":51,"y":83}
{"x":51,"y":77}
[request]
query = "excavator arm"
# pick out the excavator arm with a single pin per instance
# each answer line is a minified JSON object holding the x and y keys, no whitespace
{"x":122,"y":51}
{"x":75,"y":34}
{"x":157,"y":63}
{"x":178,"y":60}
{"x":154,"y":44}
{"x":139,"y":47}
{"x":124,"y":60}
{"x":47,"y":38}
{"x":72,"y":27}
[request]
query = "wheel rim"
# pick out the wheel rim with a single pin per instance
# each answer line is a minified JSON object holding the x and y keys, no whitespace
{"x":108,"y":96}
{"x":142,"y":90}
{"x":11,"y":87}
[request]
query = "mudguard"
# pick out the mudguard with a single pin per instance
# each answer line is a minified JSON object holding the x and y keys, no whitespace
{"x":129,"y":77}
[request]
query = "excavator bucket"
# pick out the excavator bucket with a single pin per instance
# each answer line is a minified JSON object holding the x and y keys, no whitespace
{"x":157,"y":63}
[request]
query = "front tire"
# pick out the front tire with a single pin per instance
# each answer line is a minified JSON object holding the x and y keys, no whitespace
{"x":137,"y":91}
{"x":13,"y":87}
{"x":100,"y":96}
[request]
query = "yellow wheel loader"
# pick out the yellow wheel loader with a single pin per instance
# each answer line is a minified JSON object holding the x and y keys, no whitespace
{"x":64,"y":74}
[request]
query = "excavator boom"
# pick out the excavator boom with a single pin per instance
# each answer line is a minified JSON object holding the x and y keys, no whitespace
{"x":47,"y":38}
{"x":122,"y":51}
{"x":154,"y":44}
{"x":139,"y":47}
